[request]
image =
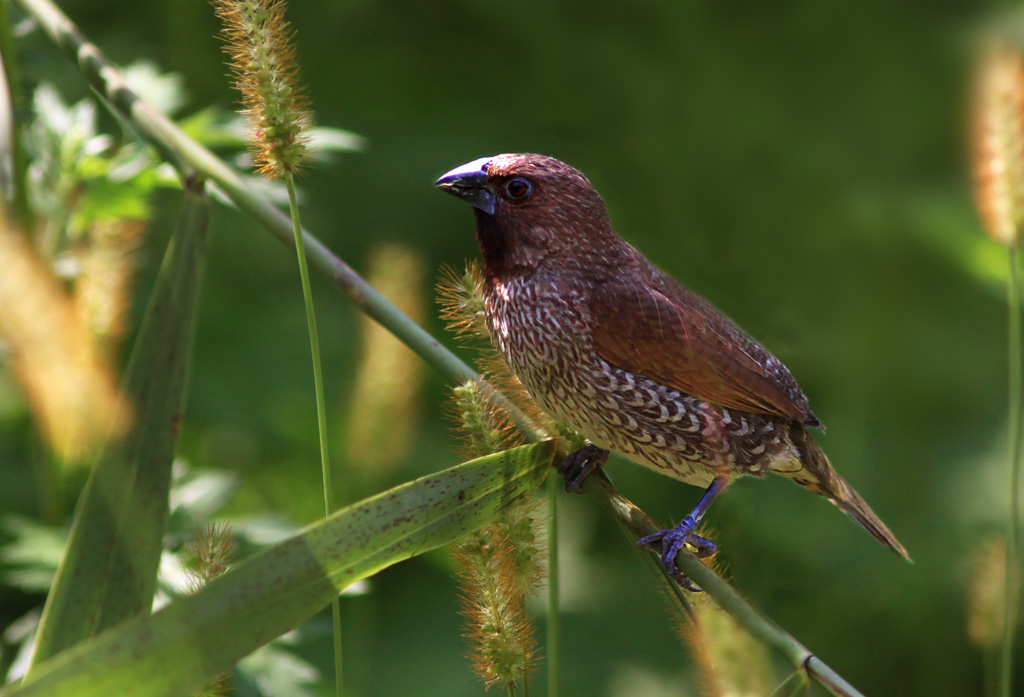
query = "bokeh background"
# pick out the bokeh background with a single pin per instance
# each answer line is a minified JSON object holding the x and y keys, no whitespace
{"x":801,"y":164}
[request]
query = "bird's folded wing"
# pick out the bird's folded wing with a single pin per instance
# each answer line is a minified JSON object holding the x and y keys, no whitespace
{"x":686,"y":344}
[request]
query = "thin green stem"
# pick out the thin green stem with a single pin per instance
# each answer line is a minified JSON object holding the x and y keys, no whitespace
{"x":761,"y":628}
{"x":1016,"y":394}
{"x":553,"y":492}
{"x":321,"y":407}
{"x":18,"y":190}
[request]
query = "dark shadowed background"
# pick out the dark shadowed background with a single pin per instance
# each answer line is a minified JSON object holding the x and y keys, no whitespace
{"x":801,"y":164}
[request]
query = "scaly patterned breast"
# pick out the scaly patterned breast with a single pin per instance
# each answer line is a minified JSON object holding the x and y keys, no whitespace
{"x":544,"y":334}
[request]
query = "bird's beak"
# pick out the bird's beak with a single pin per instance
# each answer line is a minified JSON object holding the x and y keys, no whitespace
{"x":469,"y":182}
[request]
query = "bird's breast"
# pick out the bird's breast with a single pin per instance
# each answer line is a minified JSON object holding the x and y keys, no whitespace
{"x":537,"y":325}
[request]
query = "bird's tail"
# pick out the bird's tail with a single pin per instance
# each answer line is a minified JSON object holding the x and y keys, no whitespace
{"x":816,"y":474}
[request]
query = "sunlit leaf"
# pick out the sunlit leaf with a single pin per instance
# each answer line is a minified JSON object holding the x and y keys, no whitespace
{"x":182,"y":646}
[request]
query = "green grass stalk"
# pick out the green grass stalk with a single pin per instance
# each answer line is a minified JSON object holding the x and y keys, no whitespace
{"x":1016,"y":394}
{"x":553,"y":491}
{"x":18,"y":201}
{"x":321,"y":408}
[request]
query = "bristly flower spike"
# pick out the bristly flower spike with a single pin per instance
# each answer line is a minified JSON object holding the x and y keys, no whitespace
{"x":461,"y":297}
{"x":501,"y":564}
{"x":259,"y":42}
{"x":998,"y":125}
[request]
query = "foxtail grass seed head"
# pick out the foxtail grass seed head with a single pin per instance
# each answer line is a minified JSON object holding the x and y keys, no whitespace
{"x":212,"y":550}
{"x":259,"y":42}
{"x":499,"y":566}
{"x":461,"y":297}
{"x":732,"y":663}
{"x":998,"y":142}
{"x":384,"y":408}
{"x":986,"y":595}
{"x":483,"y":426}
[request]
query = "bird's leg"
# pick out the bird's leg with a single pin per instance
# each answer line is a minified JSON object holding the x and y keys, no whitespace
{"x":578,"y":465}
{"x":672,"y":539}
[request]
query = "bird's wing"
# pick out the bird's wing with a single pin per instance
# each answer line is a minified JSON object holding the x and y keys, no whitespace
{"x":684,"y":343}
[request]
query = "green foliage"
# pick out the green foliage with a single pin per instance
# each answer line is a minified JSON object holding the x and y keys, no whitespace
{"x":196,"y":638}
{"x":108,"y":572}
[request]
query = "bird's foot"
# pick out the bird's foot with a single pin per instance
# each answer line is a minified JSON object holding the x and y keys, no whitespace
{"x":578,"y":465}
{"x":672,"y":540}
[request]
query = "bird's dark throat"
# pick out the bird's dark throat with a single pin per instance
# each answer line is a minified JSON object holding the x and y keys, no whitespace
{"x":494,"y":244}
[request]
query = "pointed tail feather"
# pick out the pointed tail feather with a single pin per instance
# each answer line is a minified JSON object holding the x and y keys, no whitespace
{"x":817,"y":475}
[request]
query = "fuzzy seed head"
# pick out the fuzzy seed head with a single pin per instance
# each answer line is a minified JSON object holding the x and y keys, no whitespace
{"x":481,"y":423}
{"x":986,"y":595}
{"x":499,"y":566}
{"x":461,"y":297}
{"x":732,"y":663}
{"x":259,"y":42}
{"x":213,"y":550}
{"x":998,"y":134}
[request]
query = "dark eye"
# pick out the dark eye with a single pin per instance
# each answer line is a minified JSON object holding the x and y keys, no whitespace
{"x":518,"y":188}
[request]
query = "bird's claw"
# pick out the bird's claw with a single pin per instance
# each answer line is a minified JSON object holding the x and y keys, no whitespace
{"x":671,"y":541}
{"x":578,"y":465}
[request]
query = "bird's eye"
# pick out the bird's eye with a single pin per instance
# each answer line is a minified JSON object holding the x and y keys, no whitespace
{"x":518,"y":188}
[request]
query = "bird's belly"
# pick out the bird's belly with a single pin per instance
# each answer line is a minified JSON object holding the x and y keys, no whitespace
{"x":547,"y":347}
{"x":673,"y":433}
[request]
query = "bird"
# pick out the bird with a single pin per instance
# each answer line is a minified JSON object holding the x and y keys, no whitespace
{"x":614,"y":348}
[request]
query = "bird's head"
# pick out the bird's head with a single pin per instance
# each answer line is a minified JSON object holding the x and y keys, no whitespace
{"x":533,"y":210}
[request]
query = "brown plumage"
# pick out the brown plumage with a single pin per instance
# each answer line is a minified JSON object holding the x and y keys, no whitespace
{"x":609,"y":345}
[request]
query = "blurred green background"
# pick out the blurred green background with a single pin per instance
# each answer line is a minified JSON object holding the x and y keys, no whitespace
{"x":801,"y":164}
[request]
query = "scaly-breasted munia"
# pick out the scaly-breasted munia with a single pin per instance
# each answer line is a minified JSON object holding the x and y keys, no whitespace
{"x":614,"y":348}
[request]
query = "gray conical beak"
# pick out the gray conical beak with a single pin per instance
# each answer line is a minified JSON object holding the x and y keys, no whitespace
{"x":469,"y":182}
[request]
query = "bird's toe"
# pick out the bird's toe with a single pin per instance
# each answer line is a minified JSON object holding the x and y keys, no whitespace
{"x":579,"y":465}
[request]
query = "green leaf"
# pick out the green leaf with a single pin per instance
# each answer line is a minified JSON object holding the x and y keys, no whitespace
{"x":181,"y":647}
{"x":110,"y":566}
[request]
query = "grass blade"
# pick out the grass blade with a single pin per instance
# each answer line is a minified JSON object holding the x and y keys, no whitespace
{"x":109,"y":568}
{"x":181,"y":647}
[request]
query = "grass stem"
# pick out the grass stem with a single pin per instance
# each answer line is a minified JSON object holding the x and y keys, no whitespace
{"x":553,"y":492}
{"x":321,"y":408}
{"x":1016,"y":394}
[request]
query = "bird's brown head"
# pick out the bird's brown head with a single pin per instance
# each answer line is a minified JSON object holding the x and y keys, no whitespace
{"x":533,"y":210}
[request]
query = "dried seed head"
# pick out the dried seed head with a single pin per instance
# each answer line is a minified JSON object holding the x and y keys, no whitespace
{"x":499,"y":566}
{"x":259,"y":41}
{"x":998,"y":135}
